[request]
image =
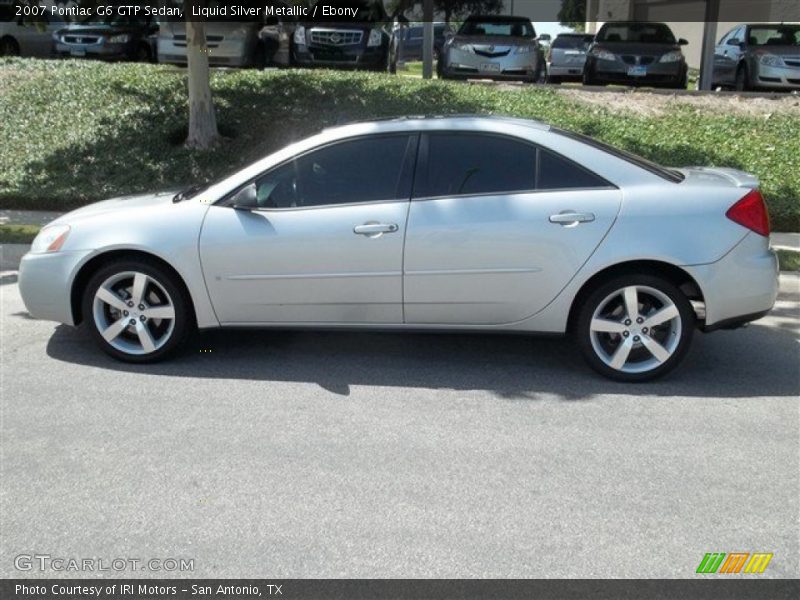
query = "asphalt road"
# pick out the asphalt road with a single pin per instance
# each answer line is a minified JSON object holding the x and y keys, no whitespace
{"x":384,"y":455}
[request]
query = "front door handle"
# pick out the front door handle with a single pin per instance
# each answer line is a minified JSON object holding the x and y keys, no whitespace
{"x":375,"y":229}
{"x":570,"y":218}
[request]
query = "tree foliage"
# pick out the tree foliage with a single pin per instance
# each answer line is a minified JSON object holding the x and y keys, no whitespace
{"x":573,"y":14}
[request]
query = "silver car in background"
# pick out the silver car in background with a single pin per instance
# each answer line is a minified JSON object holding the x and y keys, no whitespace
{"x":759,"y":56}
{"x":27,"y":35}
{"x":493,"y":47}
{"x":566,"y":57}
{"x":459,"y":223}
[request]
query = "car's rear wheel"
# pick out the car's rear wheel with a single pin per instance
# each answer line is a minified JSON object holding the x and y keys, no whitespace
{"x":136,"y":311}
{"x":635,"y":328}
{"x":9,"y":47}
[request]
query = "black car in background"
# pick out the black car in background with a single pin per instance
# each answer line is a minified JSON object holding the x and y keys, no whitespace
{"x":407,"y":41}
{"x":115,"y":38}
{"x":344,"y":41}
{"x":636,"y":53}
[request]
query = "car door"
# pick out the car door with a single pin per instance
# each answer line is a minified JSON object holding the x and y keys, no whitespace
{"x":497,"y":227}
{"x":726,"y":57}
{"x":324,"y":243}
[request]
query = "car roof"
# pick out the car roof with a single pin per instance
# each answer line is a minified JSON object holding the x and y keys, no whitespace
{"x":499,"y":18}
{"x":419,"y":122}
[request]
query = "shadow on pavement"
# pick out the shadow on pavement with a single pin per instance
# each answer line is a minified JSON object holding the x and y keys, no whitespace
{"x":755,"y":362}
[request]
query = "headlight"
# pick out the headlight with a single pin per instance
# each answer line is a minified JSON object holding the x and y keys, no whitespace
{"x":603,"y":54}
{"x":463,"y":47}
{"x":300,"y":35}
{"x":671,"y":57}
{"x":122,"y":38}
{"x":524,"y":50}
{"x":50,"y":239}
{"x":772,"y":60}
{"x":375,"y":38}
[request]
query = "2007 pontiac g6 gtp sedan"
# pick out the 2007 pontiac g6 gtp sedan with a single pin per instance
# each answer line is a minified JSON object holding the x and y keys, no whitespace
{"x":445,"y":223}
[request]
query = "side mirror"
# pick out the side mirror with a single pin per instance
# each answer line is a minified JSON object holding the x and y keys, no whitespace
{"x":734,"y":42}
{"x":683,"y":42}
{"x":545,"y":37}
{"x":246,"y":198}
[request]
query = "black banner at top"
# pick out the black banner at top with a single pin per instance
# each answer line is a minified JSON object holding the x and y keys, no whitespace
{"x":388,"y":11}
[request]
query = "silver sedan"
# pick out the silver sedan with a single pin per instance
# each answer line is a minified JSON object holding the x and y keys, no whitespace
{"x":439,"y":224}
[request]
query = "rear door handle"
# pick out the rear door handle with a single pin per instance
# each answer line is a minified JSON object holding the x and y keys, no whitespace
{"x":375,"y":229}
{"x":568,"y":218}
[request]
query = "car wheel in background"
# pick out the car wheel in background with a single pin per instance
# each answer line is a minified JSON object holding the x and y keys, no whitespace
{"x":635,"y":327}
{"x":142,"y":53}
{"x":9,"y":47}
{"x":742,"y":79}
{"x":137,"y":311}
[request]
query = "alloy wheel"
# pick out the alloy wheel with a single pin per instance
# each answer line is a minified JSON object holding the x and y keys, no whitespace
{"x":635,"y":329}
{"x":134,"y":313}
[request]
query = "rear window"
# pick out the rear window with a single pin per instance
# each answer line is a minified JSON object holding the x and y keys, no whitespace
{"x":669,"y":174}
{"x":573,"y":42}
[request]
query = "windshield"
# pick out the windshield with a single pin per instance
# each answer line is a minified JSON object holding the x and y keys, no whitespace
{"x":642,"y":33}
{"x":573,"y":42}
{"x":510,"y":28}
{"x":778,"y":35}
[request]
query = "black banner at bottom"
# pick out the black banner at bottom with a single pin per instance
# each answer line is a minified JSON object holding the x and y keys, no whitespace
{"x":398,"y":589}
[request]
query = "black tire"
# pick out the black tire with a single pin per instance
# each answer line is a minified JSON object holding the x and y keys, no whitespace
{"x":742,"y":79}
{"x":588,"y":79}
{"x":9,"y":47}
{"x":665,"y":334}
{"x":142,"y":53}
{"x":554,"y":80}
{"x":182,"y":328}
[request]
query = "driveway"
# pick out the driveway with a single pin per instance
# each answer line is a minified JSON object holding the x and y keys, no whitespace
{"x":292,"y":454}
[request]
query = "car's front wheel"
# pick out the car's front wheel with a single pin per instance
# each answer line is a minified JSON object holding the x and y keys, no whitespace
{"x":635,"y":328}
{"x":137,"y":311}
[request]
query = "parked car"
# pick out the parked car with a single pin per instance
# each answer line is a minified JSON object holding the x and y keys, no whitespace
{"x":360,"y":42}
{"x":636,"y":54}
{"x":113,"y":38}
{"x":440,"y":224}
{"x":494,"y":47}
{"x":759,"y":56}
{"x":567,"y":56}
{"x":410,"y":38}
{"x":26,"y":36}
{"x":232,"y":41}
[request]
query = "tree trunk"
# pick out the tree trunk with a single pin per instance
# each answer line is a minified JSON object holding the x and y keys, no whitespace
{"x":202,"y":120}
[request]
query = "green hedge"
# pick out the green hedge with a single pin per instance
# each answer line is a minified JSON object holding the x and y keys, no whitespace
{"x":72,"y":132}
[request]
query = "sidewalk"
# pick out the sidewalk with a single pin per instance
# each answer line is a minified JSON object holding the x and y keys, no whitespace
{"x":27,"y":217}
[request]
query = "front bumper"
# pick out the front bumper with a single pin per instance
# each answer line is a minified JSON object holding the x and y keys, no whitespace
{"x":228,"y":53}
{"x":779,"y":78}
{"x":513,"y":66}
{"x":740,"y":287}
{"x":45,"y":283}
{"x":617,"y":71}
{"x":340,"y":57}
{"x":100,"y":49}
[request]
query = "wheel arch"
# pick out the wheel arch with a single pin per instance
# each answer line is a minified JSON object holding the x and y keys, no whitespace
{"x":91,"y":266}
{"x":12,"y":39}
{"x":674,"y":274}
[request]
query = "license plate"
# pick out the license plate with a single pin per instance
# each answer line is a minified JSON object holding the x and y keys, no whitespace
{"x":489,"y":68}
{"x":637,"y":71}
{"x":75,"y":52}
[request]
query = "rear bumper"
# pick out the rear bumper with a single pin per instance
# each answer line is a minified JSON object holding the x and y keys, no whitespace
{"x":740,"y":287}
{"x":574,"y":71}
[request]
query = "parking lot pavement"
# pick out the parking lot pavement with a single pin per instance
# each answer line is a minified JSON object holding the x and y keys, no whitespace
{"x":286,"y":454}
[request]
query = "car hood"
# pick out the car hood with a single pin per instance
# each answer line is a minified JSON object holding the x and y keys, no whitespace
{"x":640,"y":49}
{"x":120,"y":204}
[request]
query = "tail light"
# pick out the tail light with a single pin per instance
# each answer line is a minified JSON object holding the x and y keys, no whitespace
{"x":751,"y":212}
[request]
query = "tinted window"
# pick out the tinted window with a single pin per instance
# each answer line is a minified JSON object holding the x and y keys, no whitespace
{"x":478,"y":164}
{"x":643,"y":33}
{"x":573,"y":42}
{"x":777,"y":35}
{"x":364,"y":170}
{"x":557,"y":173}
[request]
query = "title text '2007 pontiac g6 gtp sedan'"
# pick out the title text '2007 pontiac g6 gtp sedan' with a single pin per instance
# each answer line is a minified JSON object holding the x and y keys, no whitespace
{"x":446,"y":223}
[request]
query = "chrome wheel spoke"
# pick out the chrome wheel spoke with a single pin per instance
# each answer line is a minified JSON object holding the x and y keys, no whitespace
{"x":658,"y":351}
{"x":145,"y":339}
{"x":112,"y":331}
{"x":607,"y":325}
{"x":661,"y":316}
{"x":166,"y":311}
{"x":139,"y":285}
{"x":621,"y":355}
{"x":631,"y":297}
{"x":110,"y":298}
